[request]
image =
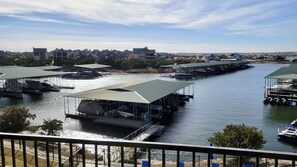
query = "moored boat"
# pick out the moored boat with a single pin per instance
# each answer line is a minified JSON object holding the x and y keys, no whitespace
{"x":289,"y":134}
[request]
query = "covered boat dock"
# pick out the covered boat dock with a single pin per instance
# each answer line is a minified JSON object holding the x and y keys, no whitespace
{"x":281,"y":86}
{"x":200,"y":70}
{"x":132,"y":104}
{"x":15,"y":80}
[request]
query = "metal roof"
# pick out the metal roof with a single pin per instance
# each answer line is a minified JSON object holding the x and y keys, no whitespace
{"x":134,"y":91}
{"x":283,"y":71}
{"x":17,"y":72}
{"x":92,"y":66}
{"x":217,"y":63}
{"x":286,"y":76}
{"x":47,"y":68}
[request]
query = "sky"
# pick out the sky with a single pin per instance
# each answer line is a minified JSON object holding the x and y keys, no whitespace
{"x":189,"y":26}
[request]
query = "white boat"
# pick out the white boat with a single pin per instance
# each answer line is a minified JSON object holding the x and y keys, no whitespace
{"x":183,"y":75}
{"x":289,"y":134}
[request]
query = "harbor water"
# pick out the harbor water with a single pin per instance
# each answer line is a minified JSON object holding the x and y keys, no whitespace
{"x":235,"y":98}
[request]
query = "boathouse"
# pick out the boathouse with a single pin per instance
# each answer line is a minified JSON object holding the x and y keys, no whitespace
{"x":15,"y":80}
{"x":281,"y":86}
{"x":131,"y":104}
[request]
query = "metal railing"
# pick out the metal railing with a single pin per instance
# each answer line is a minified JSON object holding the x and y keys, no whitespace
{"x":15,"y":150}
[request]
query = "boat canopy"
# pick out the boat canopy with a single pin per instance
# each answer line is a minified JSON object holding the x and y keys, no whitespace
{"x":134,"y":91}
{"x":17,"y":72}
{"x":289,"y":72}
{"x":92,"y":66}
{"x":196,"y":65}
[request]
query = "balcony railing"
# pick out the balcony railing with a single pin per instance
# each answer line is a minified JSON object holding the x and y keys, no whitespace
{"x":34,"y":150}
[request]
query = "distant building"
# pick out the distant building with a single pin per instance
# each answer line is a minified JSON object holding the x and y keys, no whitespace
{"x":236,"y":56}
{"x":210,"y":57}
{"x":61,"y":54}
{"x":145,"y":54}
{"x":3,"y":54}
{"x":39,"y":54}
{"x":164,"y":55}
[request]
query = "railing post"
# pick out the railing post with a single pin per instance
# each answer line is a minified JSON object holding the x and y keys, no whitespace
{"x":224,"y":160}
{"x":12,"y":153}
{"x":149,"y":156}
{"x":24,"y":153}
{"x":47,"y":154}
{"x":71,"y":155}
{"x":108,"y":156}
{"x":83,"y":155}
{"x":163,"y":158}
{"x":177,"y":158}
{"x":96,"y":155}
{"x":2,"y":152}
{"x":36,"y":152}
{"x":122,"y":156}
{"x":293,"y":163}
{"x":135,"y":156}
{"x":193,"y":159}
{"x":276,"y":162}
{"x":59,"y":154}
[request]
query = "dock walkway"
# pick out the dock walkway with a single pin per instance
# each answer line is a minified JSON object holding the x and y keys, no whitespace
{"x":145,"y":132}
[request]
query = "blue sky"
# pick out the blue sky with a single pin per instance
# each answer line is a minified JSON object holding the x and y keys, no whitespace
{"x":196,"y":26}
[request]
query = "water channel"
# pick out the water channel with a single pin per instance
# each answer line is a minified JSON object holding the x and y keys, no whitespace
{"x":233,"y":98}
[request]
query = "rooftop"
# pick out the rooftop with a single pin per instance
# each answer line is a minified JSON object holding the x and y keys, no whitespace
{"x":289,"y":72}
{"x":134,"y":91}
{"x":92,"y":66}
{"x":17,"y":72}
{"x":218,"y":63}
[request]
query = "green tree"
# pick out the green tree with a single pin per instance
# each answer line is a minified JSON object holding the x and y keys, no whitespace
{"x":238,"y":136}
{"x":15,"y":119}
{"x":52,"y":127}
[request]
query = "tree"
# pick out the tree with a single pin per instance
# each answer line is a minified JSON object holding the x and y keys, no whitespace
{"x":52,"y":127}
{"x":238,"y":136}
{"x":15,"y":119}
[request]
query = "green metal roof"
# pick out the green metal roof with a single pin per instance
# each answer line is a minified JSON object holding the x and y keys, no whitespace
{"x":92,"y":66}
{"x":47,"y":68}
{"x":17,"y":72}
{"x":192,"y":65}
{"x":286,"y":76}
{"x":283,"y":71}
{"x":134,"y":91}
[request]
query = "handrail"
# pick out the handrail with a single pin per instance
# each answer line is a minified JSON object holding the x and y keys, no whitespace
{"x":131,"y":149}
{"x":155,"y":145}
{"x":138,"y":131}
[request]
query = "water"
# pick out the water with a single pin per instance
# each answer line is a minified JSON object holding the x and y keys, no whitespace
{"x":234,"y":98}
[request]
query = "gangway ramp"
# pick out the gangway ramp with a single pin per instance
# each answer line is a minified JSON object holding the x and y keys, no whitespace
{"x":145,"y":132}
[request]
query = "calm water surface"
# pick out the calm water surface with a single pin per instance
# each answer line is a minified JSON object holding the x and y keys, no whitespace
{"x":234,"y":98}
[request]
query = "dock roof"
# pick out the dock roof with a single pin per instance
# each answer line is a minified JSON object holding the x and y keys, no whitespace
{"x":134,"y":91}
{"x":48,"y":68}
{"x":92,"y":66}
{"x":217,"y":63}
{"x":284,"y":73}
{"x":17,"y":72}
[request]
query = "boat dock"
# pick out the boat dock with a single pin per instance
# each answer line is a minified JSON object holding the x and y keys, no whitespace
{"x":202,"y":70}
{"x":281,"y":86}
{"x":134,"y":104}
